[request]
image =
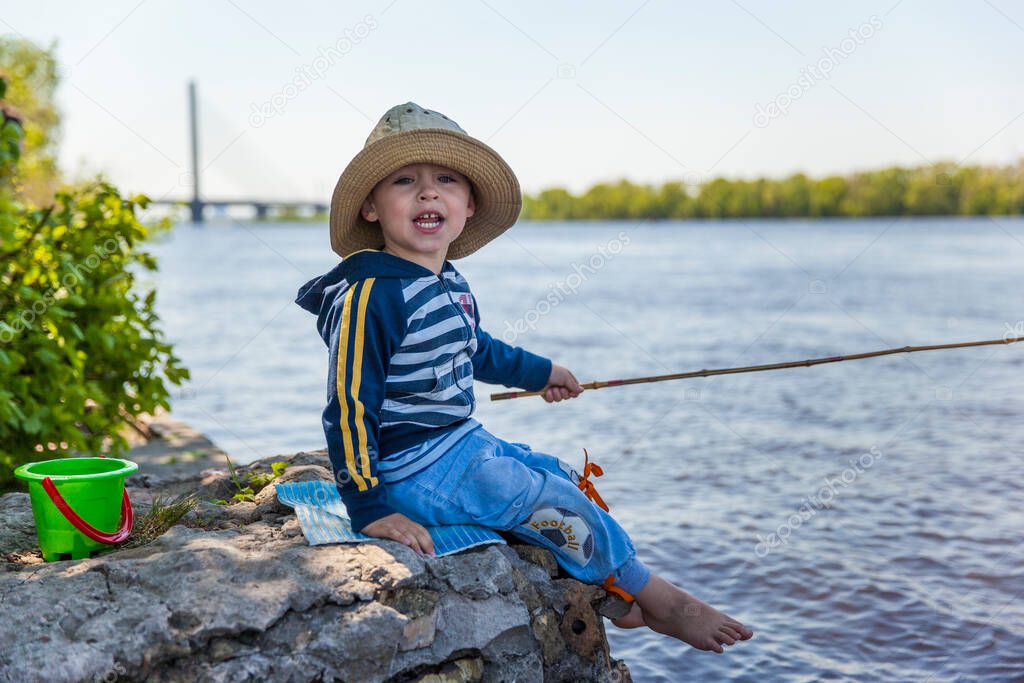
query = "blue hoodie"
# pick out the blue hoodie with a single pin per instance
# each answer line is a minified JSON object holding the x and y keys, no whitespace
{"x":405,"y":345}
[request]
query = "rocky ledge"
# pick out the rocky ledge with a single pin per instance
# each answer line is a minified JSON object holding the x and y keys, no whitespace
{"x":234,"y":593}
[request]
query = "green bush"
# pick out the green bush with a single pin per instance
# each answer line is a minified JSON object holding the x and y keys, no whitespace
{"x":80,"y":348}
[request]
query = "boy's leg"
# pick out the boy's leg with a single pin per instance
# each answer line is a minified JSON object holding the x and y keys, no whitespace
{"x":540,"y":461}
{"x":558,"y":467}
{"x":547,"y":509}
{"x":477,"y":484}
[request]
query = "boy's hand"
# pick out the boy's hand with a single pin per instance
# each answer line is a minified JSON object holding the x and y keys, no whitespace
{"x":398,"y":527}
{"x":561,"y":385}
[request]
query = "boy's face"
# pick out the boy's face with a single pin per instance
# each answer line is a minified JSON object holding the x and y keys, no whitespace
{"x":422,"y":208}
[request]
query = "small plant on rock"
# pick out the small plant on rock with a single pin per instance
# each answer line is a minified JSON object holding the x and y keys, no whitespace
{"x":257,"y":479}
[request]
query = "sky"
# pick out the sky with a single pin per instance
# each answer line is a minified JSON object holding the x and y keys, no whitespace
{"x":569,"y":93}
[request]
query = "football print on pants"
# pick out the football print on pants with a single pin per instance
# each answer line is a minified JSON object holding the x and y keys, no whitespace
{"x":568,"y":531}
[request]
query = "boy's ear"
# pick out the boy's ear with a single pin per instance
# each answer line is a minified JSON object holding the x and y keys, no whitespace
{"x":368,"y":210}
{"x":470,"y":206}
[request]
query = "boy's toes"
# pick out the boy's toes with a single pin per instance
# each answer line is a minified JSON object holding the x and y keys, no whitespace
{"x":724,"y":638}
{"x":731,"y":632}
{"x":742,"y":631}
{"x":713,"y":645}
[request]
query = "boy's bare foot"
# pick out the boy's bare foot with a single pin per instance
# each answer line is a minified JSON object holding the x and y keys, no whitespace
{"x":634,"y":619}
{"x":674,"y":612}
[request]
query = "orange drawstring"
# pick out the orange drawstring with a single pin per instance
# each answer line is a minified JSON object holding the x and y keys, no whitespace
{"x":588,"y":488}
{"x":609,"y":585}
{"x":586,"y":485}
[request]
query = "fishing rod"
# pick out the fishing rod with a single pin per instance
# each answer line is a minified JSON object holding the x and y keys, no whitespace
{"x":758,"y":368}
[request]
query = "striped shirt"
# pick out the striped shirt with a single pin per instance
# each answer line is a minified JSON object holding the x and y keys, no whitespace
{"x":405,"y":346}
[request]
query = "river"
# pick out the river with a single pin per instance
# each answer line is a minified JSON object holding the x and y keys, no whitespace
{"x":864,"y":518}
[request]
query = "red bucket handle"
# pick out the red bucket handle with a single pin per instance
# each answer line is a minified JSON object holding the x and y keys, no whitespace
{"x":84,"y":526}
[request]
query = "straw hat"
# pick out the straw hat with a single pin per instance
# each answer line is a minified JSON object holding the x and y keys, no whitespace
{"x":407,"y":134}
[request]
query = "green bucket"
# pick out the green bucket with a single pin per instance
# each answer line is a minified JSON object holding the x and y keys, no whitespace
{"x":80,"y":504}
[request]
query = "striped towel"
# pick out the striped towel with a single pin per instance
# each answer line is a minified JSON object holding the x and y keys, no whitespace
{"x":323,"y":519}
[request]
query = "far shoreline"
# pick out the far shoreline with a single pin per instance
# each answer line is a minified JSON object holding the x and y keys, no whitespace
{"x":323,"y":220}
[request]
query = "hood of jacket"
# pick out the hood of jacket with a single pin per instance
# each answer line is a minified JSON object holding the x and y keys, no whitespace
{"x":319,"y":294}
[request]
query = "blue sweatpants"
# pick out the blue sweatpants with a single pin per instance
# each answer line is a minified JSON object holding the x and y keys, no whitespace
{"x":485,"y":480}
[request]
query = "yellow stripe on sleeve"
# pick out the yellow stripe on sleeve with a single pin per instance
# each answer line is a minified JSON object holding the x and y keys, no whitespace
{"x":357,"y":361}
{"x":346,"y":430}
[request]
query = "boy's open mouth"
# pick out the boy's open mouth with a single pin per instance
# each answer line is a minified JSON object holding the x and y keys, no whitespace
{"x":428,"y":221}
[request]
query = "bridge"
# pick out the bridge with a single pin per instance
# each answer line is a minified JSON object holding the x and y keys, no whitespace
{"x":197,"y":203}
{"x":261,"y":207}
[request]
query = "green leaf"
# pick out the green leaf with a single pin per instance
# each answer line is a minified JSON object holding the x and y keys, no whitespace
{"x":245,"y":494}
{"x":32,"y":425}
{"x":47,"y":356}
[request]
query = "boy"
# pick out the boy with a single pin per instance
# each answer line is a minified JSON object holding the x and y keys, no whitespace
{"x":405,"y":346}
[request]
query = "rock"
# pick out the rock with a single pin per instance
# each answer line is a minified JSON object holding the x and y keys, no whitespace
{"x":305,"y":473}
{"x":613,"y":607}
{"x":581,"y":625}
{"x":235,"y":593}
{"x":266,"y":499}
{"x":215,"y":484}
{"x":464,"y":670}
{"x":489,"y":575}
{"x":17,"y":528}
{"x":538,"y":556}
{"x":421,"y":607}
{"x":169,"y":463}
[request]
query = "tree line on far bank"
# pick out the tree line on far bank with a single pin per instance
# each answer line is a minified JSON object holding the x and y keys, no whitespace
{"x":941,"y":189}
